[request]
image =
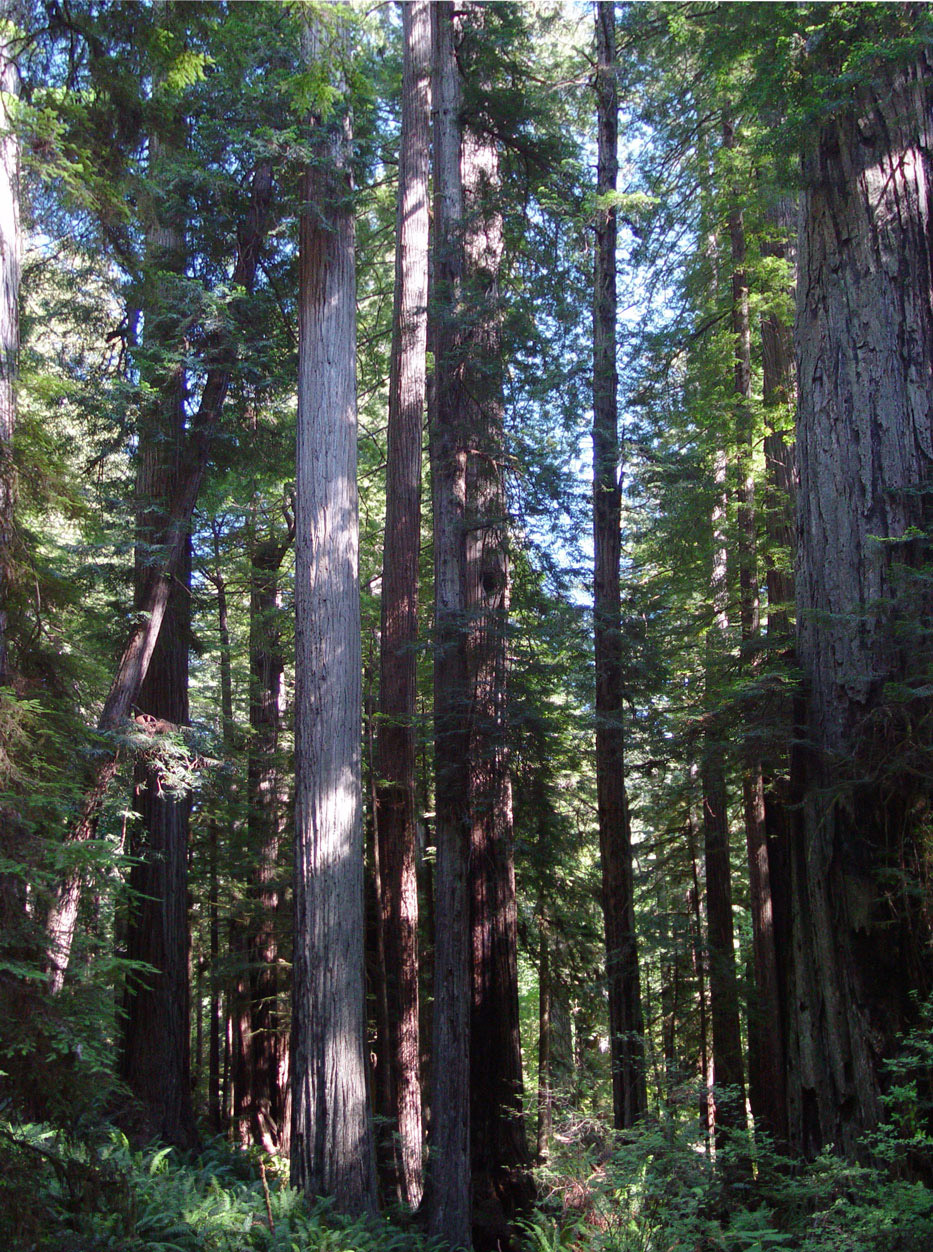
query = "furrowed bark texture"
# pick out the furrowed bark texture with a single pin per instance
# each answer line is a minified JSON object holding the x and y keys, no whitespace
{"x":498,"y":1148}
{"x":865,"y":447}
{"x":448,"y":1199}
{"x":395,"y":796}
{"x":626,"y":1024}
{"x":10,"y":249}
{"x":331,"y":1138}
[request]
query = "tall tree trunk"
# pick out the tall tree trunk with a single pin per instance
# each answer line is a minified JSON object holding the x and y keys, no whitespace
{"x":331,"y":1139}
{"x":723,"y":982}
{"x":498,"y":1147}
{"x":629,"y":1094}
{"x":164,"y":568}
{"x":154,"y":1047}
{"x":865,"y":449}
{"x":10,"y":247}
{"x":395,"y":797}
{"x":448,"y":1200}
{"x":765,"y":1027}
{"x":265,"y":818}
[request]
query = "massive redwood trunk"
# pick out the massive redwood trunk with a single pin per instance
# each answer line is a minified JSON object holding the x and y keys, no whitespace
{"x":331,"y":1133}
{"x":865,"y":450}
{"x":395,"y":796}
{"x":626,"y":1026}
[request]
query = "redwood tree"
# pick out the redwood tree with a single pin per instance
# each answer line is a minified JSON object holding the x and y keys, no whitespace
{"x":865,"y":452}
{"x":395,"y":795}
{"x":331,"y":1133}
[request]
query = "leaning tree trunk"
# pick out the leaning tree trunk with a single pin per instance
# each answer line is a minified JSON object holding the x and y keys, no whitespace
{"x":331,"y":1134}
{"x":153,"y":600}
{"x":395,"y":795}
{"x":629,"y":1094}
{"x":865,"y":450}
{"x":448,"y":1200}
{"x":498,"y":1149}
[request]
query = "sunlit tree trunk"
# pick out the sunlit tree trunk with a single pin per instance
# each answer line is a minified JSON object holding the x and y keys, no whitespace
{"x":395,"y":828}
{"x":331,"y":1136}
{"x":615,"y":840}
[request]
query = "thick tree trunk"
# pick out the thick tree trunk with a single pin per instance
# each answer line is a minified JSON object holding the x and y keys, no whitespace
{"x":615,"y":840}
{"x":448,"y":1200}
{"x":498,"y":1147}
{"x":10,"y":247}
{"x":154,"y":599}
{"x":865,"y":450}
{"x":331,"y":1138}
{"x":395,"y":797}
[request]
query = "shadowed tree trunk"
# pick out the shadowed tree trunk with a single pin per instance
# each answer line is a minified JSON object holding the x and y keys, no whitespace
{"x":331,"y":1134}
{"x":865,"y":450}
{"x":448,"y":1200}
{"x":728,"y":1073}
{"x":154,"y":1049}
{"x":265,"y":818}
{"x":498,"y":1148}
{"x":765,"y":1029}
{"x":395,"y":797}
{"x":626,"y":1027}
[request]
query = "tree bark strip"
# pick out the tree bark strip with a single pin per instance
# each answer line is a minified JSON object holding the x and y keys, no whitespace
{"x":395,"y":796}
{"x":331,"y":1137}
{"x":448,"y":1199}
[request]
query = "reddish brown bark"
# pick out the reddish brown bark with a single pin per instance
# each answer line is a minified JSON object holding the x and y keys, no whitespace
{"x":395,"y":795}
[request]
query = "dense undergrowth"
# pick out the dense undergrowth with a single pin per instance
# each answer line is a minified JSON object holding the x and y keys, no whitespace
{"x":59,"y":1194}
{"x":658,"y":1191}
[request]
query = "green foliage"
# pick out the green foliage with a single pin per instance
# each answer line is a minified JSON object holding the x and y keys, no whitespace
{"x":60,"y":1195}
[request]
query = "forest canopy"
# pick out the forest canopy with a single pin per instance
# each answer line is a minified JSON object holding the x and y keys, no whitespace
{"x":465,"y":625}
